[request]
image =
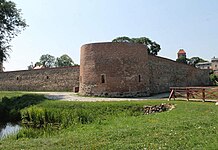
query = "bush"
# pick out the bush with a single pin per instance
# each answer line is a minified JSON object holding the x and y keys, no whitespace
{"x":214,"y":79}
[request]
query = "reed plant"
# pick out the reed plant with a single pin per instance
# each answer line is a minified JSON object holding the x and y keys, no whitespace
{"x":66,"y":114}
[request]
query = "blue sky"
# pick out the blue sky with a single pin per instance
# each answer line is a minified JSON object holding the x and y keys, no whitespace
{"x":62,"y":27}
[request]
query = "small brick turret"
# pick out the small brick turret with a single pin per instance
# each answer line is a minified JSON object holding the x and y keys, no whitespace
{"x":181,"y":53}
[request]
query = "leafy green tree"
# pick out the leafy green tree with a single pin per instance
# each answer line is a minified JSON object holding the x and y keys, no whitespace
{"x":182,"y":59}
{"x":214,"y":79}
{"x":38,"y":63}
{"x":48,"y":61}
{"x":11,"y":24}
{"x":194,"y":60}
{"x":3,"y":54}
{"x":122,"y":39}
{"x":63,"y":61}
{"x":153,"y":47}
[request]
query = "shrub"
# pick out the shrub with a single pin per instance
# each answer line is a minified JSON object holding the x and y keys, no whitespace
{"x":213,"y":79}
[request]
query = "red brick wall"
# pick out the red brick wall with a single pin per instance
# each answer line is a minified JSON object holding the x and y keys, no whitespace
{"x":54,"y":79}
{"x":127,"y":70}
{"x":120,"y":63}
{"x":165,"y":73}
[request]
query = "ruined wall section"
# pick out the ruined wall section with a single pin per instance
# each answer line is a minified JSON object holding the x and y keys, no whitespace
{"x":51,"y":79}
{"x":114,"y":69}
{"x":165,"y":73}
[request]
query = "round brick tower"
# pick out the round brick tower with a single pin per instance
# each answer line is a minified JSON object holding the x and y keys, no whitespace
{"x":114,"y":70}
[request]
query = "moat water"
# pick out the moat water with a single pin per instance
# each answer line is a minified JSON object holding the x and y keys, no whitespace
{"x":7,"y":129}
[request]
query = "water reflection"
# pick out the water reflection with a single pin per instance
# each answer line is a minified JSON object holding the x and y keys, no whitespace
{"x":8,"y":129}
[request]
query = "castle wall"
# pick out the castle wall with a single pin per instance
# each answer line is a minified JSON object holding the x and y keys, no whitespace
{"x":165,"y":73}
{"x":114,"y":69}
{"x":50,"y":79}
{"x":128,"y":70}
{"x":109,"y":69}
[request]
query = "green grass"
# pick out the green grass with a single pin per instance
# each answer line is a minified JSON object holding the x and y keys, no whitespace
{"x":113,"y":125}
{"x":117,"y":125}
{"x":10,"y":94}
{"x":10,"y":108}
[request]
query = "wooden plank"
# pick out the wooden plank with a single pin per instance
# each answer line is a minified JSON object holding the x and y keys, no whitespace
{"x":172,"y":94}
{"x":203,"y":95}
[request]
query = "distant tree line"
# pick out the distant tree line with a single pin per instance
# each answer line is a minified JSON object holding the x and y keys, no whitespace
{"x":49,"y":61}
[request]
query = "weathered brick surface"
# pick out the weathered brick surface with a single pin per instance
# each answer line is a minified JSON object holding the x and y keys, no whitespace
{"x":54,"y":79}
{"x":127,"y":71}
{"x":165,"y":73}
{"x":120,"y":63}
{"x":124,"y":64}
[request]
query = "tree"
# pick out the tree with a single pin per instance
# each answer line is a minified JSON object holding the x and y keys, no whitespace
{"x":63,"y":61}
{"x":47,"y":61}
{"x":194,"y":60}
{"x":38,"y":64}
{"x":30,"y":67}
{"x":3,"y":54}
{"x":153,"y":47}
{"x":214,"y":79}
{"x":11,"y":24}
{"x":182,"y":59}
{"x":122,"y":39}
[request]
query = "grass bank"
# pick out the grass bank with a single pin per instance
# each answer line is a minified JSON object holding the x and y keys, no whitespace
{"x":116,"y":125}
{"x":10,"y":107}
{"x":10,"y":94}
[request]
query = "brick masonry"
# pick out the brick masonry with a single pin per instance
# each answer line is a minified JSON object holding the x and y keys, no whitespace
{"x":121,"y":64}
{"x":126,"y":70}
{"x":109,"y":69}
{"x":53,"y":79}
{"x":165,"y":73}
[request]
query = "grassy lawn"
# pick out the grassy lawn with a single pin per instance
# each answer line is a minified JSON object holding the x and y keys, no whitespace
{"x":10,"y":94}
{"x":117,"y":125}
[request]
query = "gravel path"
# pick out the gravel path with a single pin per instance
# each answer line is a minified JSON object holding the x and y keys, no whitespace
{"x":70,"y":96}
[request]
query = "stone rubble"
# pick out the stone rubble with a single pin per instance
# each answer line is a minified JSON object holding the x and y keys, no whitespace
{"x":158,"y":108}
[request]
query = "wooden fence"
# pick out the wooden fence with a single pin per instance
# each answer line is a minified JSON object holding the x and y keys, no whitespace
{"x":203,"y":93}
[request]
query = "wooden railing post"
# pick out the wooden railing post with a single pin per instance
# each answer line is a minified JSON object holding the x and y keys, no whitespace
{"x":187,"y":93}
{"x":203,"y":94}
{"x":172,"y":94}
{"x":194,"y":93}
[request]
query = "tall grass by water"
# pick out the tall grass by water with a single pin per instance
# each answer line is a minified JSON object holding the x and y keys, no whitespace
{"x":66,"y":114}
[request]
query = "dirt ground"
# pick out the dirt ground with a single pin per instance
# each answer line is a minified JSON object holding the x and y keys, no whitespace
{"x":70,"y":96}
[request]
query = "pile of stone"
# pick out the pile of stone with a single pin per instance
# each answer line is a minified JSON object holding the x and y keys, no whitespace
{"x":158,"y":108}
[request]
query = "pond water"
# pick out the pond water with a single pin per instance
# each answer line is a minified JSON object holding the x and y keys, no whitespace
{"x":8,"y":129}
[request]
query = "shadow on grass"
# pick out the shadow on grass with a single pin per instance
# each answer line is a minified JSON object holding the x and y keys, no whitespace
{"x":10,"y":107}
